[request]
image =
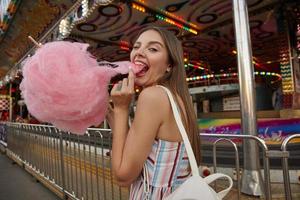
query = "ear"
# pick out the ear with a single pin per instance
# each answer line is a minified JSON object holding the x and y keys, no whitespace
{"x":169,"y":68}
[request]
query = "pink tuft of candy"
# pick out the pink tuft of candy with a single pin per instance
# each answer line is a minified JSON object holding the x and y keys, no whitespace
{"x":64,"y":85}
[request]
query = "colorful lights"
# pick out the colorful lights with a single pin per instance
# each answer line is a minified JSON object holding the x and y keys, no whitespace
{"x":138,"y":7}
{"x":286,"y":71}
{"x":167,"y":19}
{"x":170,"y":21}
{"x":177,"y":18}
{"x":124,"y":48}
{"x":224,"y":75}
{"x":124,"y":45}
{"x":194,"y":66}
{"x":7,"y":10}
{"x":198,"y":65}
{"x":66,"y":25}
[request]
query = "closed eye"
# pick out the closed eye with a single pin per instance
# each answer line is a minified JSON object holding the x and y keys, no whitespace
{"x":152,"y":49}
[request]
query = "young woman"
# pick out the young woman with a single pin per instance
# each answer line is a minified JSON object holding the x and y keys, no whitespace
{"x":153,"y":140}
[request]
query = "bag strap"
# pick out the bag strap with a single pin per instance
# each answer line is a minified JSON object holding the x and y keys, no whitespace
{"x":183,"y":133}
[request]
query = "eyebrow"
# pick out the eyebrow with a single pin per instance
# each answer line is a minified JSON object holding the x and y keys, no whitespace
{"x":152,"y":42}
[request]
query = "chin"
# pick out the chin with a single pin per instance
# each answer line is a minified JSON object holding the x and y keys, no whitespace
{"x":138,"y":84}
{"x":139,"y":81}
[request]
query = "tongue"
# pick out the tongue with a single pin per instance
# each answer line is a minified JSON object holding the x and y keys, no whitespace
{"x":141,"y":73}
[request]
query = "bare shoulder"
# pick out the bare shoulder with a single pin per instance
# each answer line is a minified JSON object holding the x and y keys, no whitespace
{"x":152,"y":104}
{"x":153,"y":95}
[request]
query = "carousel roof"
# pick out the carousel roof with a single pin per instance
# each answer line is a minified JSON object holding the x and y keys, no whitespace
{"x":30,"y":17}
{"x":205,"y":28}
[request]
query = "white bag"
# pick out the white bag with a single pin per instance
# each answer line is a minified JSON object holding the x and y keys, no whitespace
{"x":194,"y":187}
{"x":197,"y":187}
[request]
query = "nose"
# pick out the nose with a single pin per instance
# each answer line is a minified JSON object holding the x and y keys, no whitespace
{"x":140,"y":52}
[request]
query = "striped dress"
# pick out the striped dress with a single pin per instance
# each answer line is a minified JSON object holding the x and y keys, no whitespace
{"x":167,"y":167}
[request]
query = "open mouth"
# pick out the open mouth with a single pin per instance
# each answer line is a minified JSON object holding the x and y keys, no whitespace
{"x":144,"y":68}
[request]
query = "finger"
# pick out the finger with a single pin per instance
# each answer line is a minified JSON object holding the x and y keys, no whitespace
{"x":131,"y":78}
{"x":120,"y":83}
{"x":116,"y":87}
{"x":110,"y":108}
{"x":124,"y":84}
{"x":111,"y":103}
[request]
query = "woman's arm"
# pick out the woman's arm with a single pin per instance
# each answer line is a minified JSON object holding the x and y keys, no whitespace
{"x":121,"y":95}
{"x":120,"y":131}
{"x":131,"y":147}
{"x":110,"y":116}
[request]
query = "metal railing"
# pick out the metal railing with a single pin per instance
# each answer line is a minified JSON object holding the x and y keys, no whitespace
{"x":79,"y":166}
{"x":261,"y":143}
{"x":267,"y":154}
{"x":285,"y":165}
{"x":237,"y":162}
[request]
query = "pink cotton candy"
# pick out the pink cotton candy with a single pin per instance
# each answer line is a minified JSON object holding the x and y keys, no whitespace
{"x":63,"y":85}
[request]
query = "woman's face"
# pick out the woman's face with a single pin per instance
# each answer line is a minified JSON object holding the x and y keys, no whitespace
{"x":150,"y":51}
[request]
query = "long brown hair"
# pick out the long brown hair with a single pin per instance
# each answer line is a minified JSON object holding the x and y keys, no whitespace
{"x":175,"y":80}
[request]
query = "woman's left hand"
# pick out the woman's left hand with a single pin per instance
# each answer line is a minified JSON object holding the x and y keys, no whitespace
{"x":122,"y":93}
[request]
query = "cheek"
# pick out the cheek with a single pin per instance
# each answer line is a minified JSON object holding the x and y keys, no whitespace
{"x":160,"y":61}
{"x":161,"y":66}
{"x":131,"y":56}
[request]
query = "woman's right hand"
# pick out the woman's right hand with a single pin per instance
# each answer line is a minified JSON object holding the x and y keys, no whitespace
{"x":110,"y":115}
{"x":122,"y":93}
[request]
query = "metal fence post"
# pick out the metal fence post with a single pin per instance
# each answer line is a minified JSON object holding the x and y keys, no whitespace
{"x":285,"y":165}
{"x":251,"y":182}
{"x":102,"y":164}
{"x":237,"y":162}
{"x":62,"y":164}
